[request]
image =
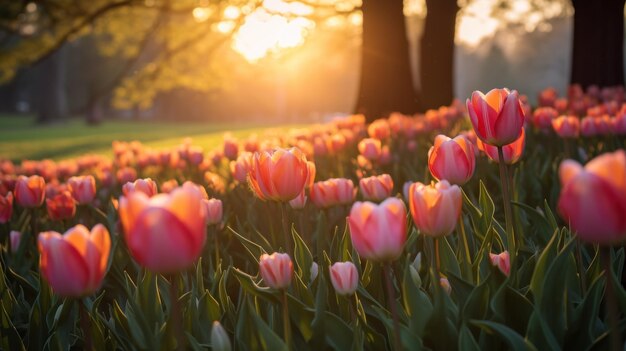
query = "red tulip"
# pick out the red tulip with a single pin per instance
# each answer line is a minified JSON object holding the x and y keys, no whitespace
{"x":566,"y":126}
{"x":452,"y":159}
{"x":378,"y":232}
{"x":6,"y":207}
{"x":74,"y":263}
{"x":336,"y":191}
{"x":276,"y":270}
{"x":61,"y":206}
{"x":436,"y":208}
{"x":146,"y":186}
{"x":344,"y":277}
{"x":279,"y":175}
{"x":593,"y":198}
{"x":497,"y":117}
{"x":30,"y":191}
{"x":511,"y":152}
{"x":502,"y":261}
{"x":376,"y":188}
{"x":165,"y":233}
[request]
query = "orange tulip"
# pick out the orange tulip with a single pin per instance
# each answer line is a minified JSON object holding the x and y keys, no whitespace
{"x":566,"y":126}
{"x":435,"y":208}
{"x":165,"y":233}
{"x":336,"y":191}
{"x":376,"y":188}
{"x":61,"y":206}
{"x":6,"y":207}
{"x":74,"y":263}
{"x":452,"y":159}
{"x":146,"y":186}
{"x":497,"y":117}
{"x":279,"y":175}
{"x":276,"y":270}
{"x":30,"y":191}
{"x":511,"y":152}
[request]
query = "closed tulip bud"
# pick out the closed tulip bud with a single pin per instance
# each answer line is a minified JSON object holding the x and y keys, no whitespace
{"x":279,"y":175}
{"x":344,"y":277}
{"x":332,"y":192}
{"x":195,"y":155}
{"x":436,"y":209}
{"x":452,"y":159}
{"x":445,"y":285}
{"x":376,"y":188}
{"x":214,"y":211}
{"x":299,"y":202}
{"x":593,"y":198}
{"x":30,"y":191}
{"x":16,"y":238}
{"x":169,"y":185}
{"x":502,"y":261}
{"x":378,"y":232}
{"x":511,"y":152}
{"x":276,"y":270}
{"x":314,"y":271}
{"x":74,"y":263}
{"x":370,"y":148}
{"x":497,"y":117}
{"x":61,"y":206}
{"x":231,"y":147}
{"x":543,"y":117}
{"x":165,"y":233}
{"x":379,"y":129}
{"x":240,"y":168}
{"x":336,"y":143}
{"x":566,"y":126}
{"x":125,"y":175}
{"x":83,"y":188}
{"x":146,"y":186}
{"x":219,"y":338}
{"x":6,"y":207}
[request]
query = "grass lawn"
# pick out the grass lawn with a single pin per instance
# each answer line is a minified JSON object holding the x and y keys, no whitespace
{"x":21,"y":138}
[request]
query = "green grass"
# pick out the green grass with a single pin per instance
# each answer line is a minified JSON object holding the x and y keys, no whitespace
{"x":21,"y":138}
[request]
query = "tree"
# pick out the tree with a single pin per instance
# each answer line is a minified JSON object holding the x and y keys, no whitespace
{"x":598,"y":43}
{"x":386,"y":83}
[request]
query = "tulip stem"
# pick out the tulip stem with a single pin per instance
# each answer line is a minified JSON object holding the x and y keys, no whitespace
{"x":437,"y":257}
{"x":611,"y":300}
{"x":286,"y":233}
{"x":508,"y":216}
{"x":467,"y":267}
{"x":391,"y":298}
{"x":84,"y":325}
{"x":175,"y":314}
{"x":216,"y":243}
{"x":581,"y":268}
{"x":33,"y":223}
{"x":286,"y":320}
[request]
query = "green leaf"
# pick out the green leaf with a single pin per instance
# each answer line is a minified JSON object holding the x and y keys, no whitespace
{"x":269,"y":340}
{"x":449,"y":262}
{"x":416,"y":303}
{"x":255,"y":250}
{"x":466,"y":340}
{"x":10,"y":339}
{"x":515,"y":341}
{"x":248,"y":284}
{"x":487,"y":207}
{"x":302,"y":256}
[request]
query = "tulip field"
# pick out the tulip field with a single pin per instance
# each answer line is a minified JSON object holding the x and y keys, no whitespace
{"x":488,"y":224}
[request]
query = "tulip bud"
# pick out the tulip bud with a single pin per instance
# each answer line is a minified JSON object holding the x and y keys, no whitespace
{"x":502,"y":261}
{"x":332,"y":192}
{"x":370,"y":149}
{"x":497,"y":117}
{"x":543,"y":117}
{"x":378,"y":232}
{"x":445,"y":285}
{"x":344,"y":277}
{"x":452,"y":159}
{"x":436,"y":209}
{"x":169,"y":185}
{"x":61,"y":206}
{"x":511,"y":152}
{"x":276,"y":270}
{"x":30,"y":191}
{"x":146,"y":186}
{"x":240,"y":168}
{"x":214,"y":211}
{"x":15,"y":237}
{"x":83,"y":188}
{"x":6,"y":207}
{"x":219,"y":338}
{"x":314,"y":271}
{"x":376,"y":188}
{"x":125,"y":175}
{"x":231,"y":147}
{"x":566,"y":126}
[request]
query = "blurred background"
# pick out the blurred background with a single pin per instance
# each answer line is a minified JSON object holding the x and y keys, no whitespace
{"x":276,"y":61}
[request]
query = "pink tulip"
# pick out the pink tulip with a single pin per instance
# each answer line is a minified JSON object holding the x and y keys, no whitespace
{"x":619,"y":124}
{"x":169,"y":185}
{"x":370,"y":148}
{"x":376,"y":188}
{"x":276,"y":270}
{"x":299,"y":202}
{"x":378,"y":232}
{"x":279,"y":175}
{"x":74,"y":263}
{"x":566,"y":126}
{"x":511,"y":152}
{"x":502,"y":261}
{"x":593,"y":198}
{"x":543,"y":117}
{"x":16,"y":238}
{"x":344,"y":277}
{"x":125,"y":175}
{"x":30,"y":191}
{"x":332,"y":192}
{"x":83,"y":188}
{"x":240,"y":168}
{"x":497,"y":117}
{"x":452,"y":159}
{"x":146,"y":186}
{"x":165,"y":233}
{"x":379,"y":129}
{"x":61,"y":206}
{"x":6,"y":207}
{"x":436,"y":209}
{"x":214,"y":211}
{"x":231,"y":147}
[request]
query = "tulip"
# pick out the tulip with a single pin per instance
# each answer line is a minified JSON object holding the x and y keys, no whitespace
{"x":543,"y":117}
{"x":497,"y":117}
{"x":445,"y":285}
{"x":15,"y":237}
{"x":593,"y":198}
{"x":376,"y":188}
{"x":231,"y":147}
{"x":240,"y":168}
{"x":83,"y":188}
{"x":344,"y":277}
{"x":502,"y":261}
{"x":299,"y":202}
{"x":165,"y":233}
{"x":378,"y":232}
{"x":74,"y":263}
{"x":125,"y":175}
{"x":379,"y":129}
{"x":169,"y":185}
{"x":511,"y":152}
{"x":6,"y":207}
{"x":452,"y":159}
{"x":436,"y":209}
{"x":370,"y":148}
{"x":336,"y":191}
{"x":276,"y":270}
{"x":219,"y":338}
{"x":312,"y":171}
{"x":61,"y":206}
{"x":214,"y":211}
{"x":279,"y":175}
{"x":619,"y":124}
{"x":146,"y":186}
{"x":314,"y":271}
{"x":566,"y":126}
{"x":30,"y":191}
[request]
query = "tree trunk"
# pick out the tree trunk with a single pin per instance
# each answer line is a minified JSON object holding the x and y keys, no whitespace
{"x":437,"y":54}
{"x":597,"y":55}
{"x":52,"y":100}
{"x":386,"y":83}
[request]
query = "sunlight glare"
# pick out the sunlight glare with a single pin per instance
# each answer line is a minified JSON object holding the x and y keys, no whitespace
{"x":201,"y":14}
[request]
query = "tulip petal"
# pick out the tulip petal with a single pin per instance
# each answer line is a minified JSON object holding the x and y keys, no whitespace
{"x":62,"y":265}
